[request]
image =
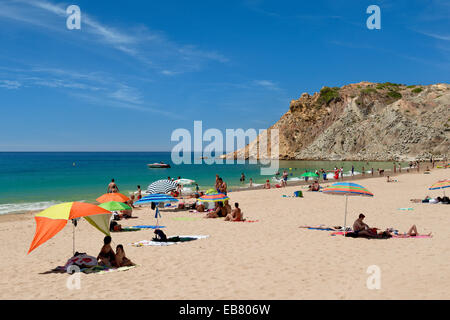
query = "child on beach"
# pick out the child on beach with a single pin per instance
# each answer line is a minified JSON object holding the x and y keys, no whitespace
{"x":121,"y":259}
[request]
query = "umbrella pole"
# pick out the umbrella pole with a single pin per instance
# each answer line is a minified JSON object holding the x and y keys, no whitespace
{"x":345,"y":216}
{"x":73,"y":241}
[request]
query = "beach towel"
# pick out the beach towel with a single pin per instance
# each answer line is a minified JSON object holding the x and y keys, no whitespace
{"x":405,"y":209}
{"x":129,"y":229}
{"x":411,"y":237}
{"x":183,"y":238}
{"x":103,"y":269}
{"x":148,"y":227}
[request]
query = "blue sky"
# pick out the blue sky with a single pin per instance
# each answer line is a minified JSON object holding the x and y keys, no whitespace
{"x":137,"y":70}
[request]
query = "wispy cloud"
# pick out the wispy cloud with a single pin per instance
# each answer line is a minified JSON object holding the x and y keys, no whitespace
{"x":10,"y":84}
{"x":148,"y":47}
{"x":435,"y":35}
{"x":267,"y":84}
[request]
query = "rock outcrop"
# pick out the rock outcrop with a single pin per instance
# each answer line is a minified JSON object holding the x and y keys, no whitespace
{"x":364,"y":121}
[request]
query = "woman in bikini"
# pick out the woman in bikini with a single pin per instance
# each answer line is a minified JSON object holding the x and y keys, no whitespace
{"x":121,"y":259}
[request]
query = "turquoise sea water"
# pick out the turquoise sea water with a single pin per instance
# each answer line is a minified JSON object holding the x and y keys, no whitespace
{"x":34,"y":181}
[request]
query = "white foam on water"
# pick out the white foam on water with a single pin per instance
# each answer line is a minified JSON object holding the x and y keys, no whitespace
{"x":26,"y":207}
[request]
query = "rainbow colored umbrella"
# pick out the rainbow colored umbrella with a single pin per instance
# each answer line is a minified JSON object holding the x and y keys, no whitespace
{"x":108,"y":197}
{"x":213,"y":197}
{"x":347,"y":189}
{"x":52,"y":220}
{"x":440,"y":185}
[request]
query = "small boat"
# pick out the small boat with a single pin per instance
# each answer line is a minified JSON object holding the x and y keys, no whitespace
{"x":158,"y":165}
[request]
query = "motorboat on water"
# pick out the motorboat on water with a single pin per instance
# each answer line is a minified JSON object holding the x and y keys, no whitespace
{"x":158,"y":165}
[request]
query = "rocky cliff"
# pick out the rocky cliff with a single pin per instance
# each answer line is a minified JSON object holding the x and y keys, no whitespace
{"x":364,"y":121}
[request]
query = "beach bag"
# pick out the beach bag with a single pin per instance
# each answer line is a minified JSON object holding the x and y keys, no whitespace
{"x":298,"y":194}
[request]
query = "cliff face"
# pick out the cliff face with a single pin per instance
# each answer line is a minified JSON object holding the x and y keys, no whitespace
{"x":364,"y":121}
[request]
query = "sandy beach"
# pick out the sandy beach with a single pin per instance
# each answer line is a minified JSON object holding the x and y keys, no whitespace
{"x":269,"y":259}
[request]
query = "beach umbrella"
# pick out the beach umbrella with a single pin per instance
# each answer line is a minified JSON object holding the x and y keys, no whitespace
{"x":108,"y":197}
{"x":156,"y":198}
{"x":52,"y":220}
{"x":440,"y":185}
{"x":309,"y":175}
{"x":213,"y":197}
{"x":115,"y":206}
{"x":211,"y":191}
{"x":162,"y":186}
{"x":347,"y":189}
{"x":184,"y":182}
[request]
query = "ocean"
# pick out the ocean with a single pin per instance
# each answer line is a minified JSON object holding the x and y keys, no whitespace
{"x":36,"y":180}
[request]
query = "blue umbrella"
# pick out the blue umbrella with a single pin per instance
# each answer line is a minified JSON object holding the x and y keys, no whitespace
{"x":156,"y":198}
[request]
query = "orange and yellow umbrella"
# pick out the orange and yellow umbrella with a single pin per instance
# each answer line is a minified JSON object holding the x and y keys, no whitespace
{"x":52,"y":220}
{"x":107,"y":197}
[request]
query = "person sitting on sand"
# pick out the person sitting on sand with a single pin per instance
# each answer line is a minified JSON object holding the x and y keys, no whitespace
{"x":131,"y":201}
{"x":107,"y":257}
{"x":121,"y":259}
{"x":251,"y":182}
{"x":388,"y":179}
{"x":267,"y":185}
{"x":138,"y":193}
{"x":315,"y":186}
{"x":215,"y":213}
{"x":235,"y":215}
{"x":362,"y":229}
{"x":227,"y":207}
{"x":200,"y":207}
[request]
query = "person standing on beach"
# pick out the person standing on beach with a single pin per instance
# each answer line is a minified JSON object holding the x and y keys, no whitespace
{"x":342,"y":173}
{"x":139,"y":193}
{"x":242,"y":177}
{"x":251,"y":182}
{"x":112,"y":187}
{"x":362,"y":171}
{"x":217,"y":185}
{"x":285,"y":177}
{"x":353,"y":170}
{"x":372,"y":172}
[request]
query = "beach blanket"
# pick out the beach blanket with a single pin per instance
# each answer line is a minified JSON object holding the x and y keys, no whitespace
{"x":126,"y":229}
{"x":147,"y":227}
{"x":144,"y":243}
{"x":97,"y":269}
{"x":406,"y":209}
{"x":320,"y":227}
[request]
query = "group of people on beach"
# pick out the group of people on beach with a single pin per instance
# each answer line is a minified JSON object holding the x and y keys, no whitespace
{"x":361,"y":229}
{"x":108,"y":258}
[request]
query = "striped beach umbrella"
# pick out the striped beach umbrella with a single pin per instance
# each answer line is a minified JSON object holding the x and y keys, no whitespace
{"x":107,"y":197}
{"x":52,"y":220}
{"x":156,"y":198}
{"x":213,"y":197}
{"x":162,"y":186}
{"x":347,"y":189}
{"x":440,"y":185}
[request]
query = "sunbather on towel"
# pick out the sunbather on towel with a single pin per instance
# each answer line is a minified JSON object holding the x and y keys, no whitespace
{"x":235,"y":215}
{"x":107,"y":257}
{"x":412,"y":232}
{"x":315,"y":186}
{"x":219,"y":211}
{"x":121,"y":259}
{"x":200,"y":207}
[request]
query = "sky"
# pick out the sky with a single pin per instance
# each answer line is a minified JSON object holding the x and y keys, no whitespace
{"x":138,"y":70}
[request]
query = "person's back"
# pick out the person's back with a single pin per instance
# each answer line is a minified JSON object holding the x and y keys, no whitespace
{"x":107,"y":256}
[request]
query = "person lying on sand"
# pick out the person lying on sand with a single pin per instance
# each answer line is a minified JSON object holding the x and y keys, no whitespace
{"x":235,"y":215}
{"x":121,"y":259}
{"x":107,"y":257}
{"x":412,"y":232}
